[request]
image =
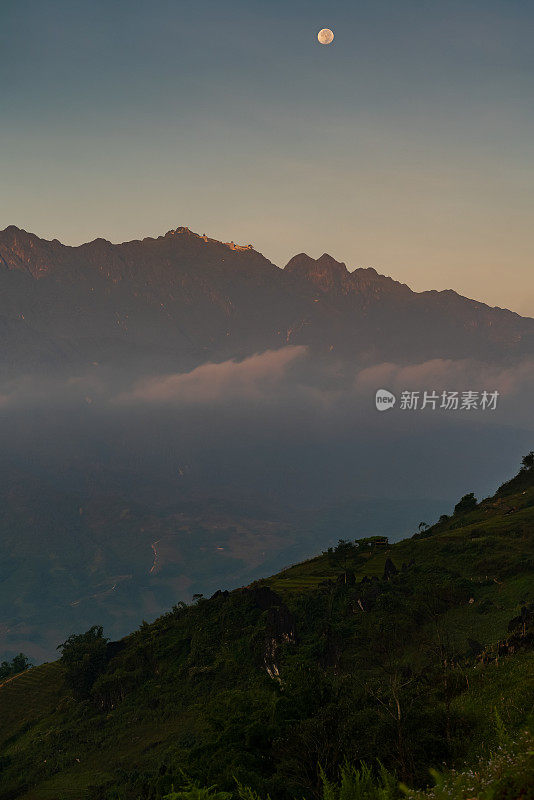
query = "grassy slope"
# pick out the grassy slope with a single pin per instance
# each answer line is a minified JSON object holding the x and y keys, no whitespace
{"x":202,"y":675}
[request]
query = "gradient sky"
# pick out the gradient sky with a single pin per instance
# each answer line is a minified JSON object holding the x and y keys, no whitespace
{"x":407,"y":145}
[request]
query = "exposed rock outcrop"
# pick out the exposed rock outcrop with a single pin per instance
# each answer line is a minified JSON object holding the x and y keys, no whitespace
{"x":279,"y":626}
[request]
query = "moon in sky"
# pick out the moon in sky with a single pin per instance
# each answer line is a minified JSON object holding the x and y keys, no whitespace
{"x":325,"y":36}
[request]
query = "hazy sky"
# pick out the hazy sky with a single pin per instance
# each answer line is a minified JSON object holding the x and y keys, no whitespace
{"x":407,"y":144}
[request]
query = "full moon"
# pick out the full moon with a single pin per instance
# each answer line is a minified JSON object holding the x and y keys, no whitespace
{"x":325,"y":36}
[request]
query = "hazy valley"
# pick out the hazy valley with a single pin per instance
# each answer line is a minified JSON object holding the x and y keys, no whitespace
{"x":180,"y":416}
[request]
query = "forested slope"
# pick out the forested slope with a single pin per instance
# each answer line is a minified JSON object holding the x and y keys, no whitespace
{"x":415,"y":654}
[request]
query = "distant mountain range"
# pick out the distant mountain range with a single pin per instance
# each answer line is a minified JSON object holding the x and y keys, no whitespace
{"x":182,"y":299}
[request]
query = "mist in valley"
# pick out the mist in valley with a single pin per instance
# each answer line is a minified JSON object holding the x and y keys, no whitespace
{"x":125,"y":492}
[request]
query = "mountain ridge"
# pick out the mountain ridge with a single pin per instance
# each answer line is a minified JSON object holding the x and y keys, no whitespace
{"x":185,"y":299}
{"x":299,"y":264}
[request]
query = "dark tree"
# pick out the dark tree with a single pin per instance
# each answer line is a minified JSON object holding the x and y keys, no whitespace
{"x":84,"y":657}
{"x":17,"y":665}
{"x":528,"y":461}
{"x":466,"y":504}
{"x":343,"y":552}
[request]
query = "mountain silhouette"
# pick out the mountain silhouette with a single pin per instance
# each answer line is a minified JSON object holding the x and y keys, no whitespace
{"x":182,"y":299}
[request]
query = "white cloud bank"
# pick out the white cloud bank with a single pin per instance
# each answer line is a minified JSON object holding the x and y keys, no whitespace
{"x":211,"y":383}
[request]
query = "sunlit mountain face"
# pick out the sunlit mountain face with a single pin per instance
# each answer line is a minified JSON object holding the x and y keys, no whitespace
{"x":180,"y":415}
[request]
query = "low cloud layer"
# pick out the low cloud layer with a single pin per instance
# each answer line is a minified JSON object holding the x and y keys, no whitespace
{"x":443,"y":375}
{"x":279,"y":423}
{"x":250,"y":379}
{"x":287,"y":377}
{"x":285,"y":381}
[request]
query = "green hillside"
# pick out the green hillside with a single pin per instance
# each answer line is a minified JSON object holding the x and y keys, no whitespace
{"x":416,"y":654}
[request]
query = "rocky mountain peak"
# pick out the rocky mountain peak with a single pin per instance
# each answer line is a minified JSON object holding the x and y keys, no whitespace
{"x":325,"y":272}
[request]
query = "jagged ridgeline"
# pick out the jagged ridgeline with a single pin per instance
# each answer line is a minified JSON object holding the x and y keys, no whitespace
{"x":412,"y":655}
{"x":182,"y":299}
